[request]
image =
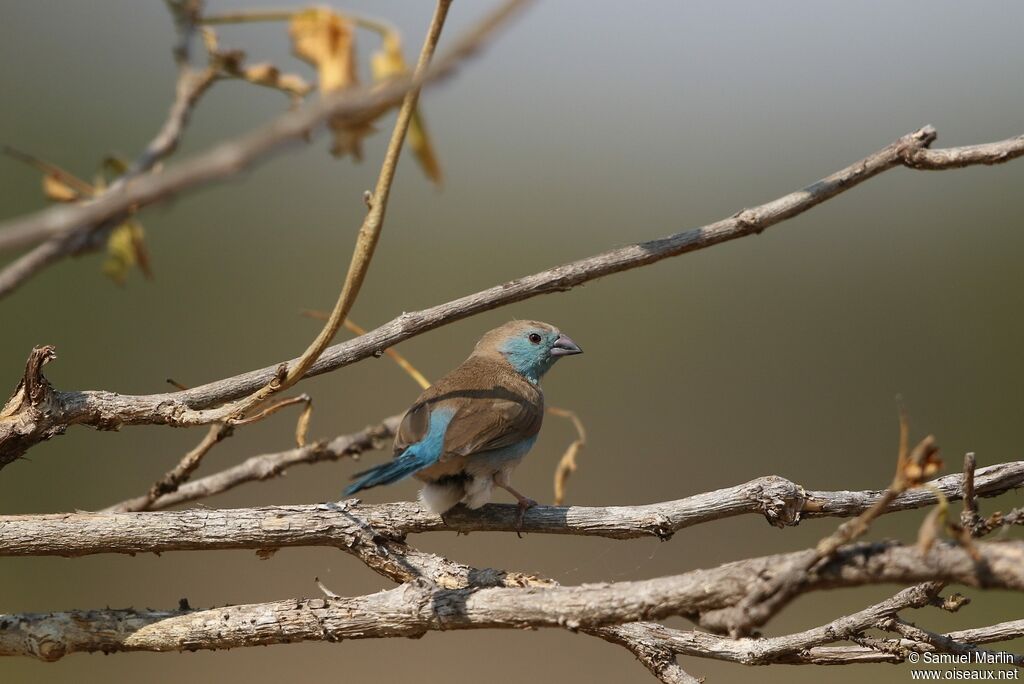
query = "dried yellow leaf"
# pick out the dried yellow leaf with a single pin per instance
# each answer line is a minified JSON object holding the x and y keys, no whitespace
{"x":388,"y":63}
{"x":421,"y":146}
{"x":302,"y":425}
{"x":59,"y":191}
{"x":567,"y":464}
{"x":125,"y":250}
{"x":113,"y":165}
{"x":326,"y":40}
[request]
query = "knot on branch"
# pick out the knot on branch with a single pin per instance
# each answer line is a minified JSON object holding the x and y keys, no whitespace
{"x":660,"y":526}
{"x":750,"y":220}
{"x":779,"y":499}
{"x":913,"y":148}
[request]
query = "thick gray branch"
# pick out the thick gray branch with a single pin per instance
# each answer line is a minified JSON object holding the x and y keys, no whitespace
{"x":413,"y":609}
{"x":107,"y":410}
{"x":781,"y":501}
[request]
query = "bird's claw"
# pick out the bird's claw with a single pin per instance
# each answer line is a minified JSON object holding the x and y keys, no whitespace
{"x":523,"y":504}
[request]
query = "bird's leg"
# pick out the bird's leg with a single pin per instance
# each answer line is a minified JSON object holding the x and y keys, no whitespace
{"x":524,"y":502}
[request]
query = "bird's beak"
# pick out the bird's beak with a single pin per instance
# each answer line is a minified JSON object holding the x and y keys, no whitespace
{"x":564,"y":346}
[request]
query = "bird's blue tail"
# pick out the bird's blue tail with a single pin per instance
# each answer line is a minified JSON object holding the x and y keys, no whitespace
{"x":386,"y":473}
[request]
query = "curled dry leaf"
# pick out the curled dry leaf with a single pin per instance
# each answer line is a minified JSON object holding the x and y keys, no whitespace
{"x":126,"y":247}
{"x":567,"y":464}
{"x":59,"y":191}
{"x":326,"y":40}
{"x":302,"y":426}
{"x":388,"y":63}
{"x":922,"y":463}
{"x":125,"y":250}
{"x":566,"y":467}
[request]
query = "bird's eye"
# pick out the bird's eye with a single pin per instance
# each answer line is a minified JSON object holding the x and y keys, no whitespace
{"x":535,"y":338}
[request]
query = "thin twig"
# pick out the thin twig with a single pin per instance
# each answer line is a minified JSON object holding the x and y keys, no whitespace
{"x":391,"y":352}
{"x":268,"y":466}
{"x":174,"y":478}
{"x":278,"y":15}
{"x":895,"y":651}
{"x":940,"y":642}
{"x":750,"y":651}
{"x":273,"y":408}
{"x":67,"y":178}
{"x":969,"y":517}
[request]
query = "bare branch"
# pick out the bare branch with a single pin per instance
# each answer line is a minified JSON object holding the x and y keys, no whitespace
{"x":75,"y":534}
{"x":415,"y":608}
{"x":174,"y":478}
{"x":748,"y":651}
{"x":958,"y":157}
{"x":969,"y":518}
{"x":938,"y":642}
{"x":99,"y":408}
{"x":643,"y":640}
{"x":783,"y":650}
{"x":267,"y":466}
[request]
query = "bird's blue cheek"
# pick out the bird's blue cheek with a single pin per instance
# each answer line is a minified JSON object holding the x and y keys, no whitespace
{"x":530,"y":360}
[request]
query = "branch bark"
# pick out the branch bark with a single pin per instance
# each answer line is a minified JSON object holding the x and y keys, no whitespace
{"x":784,"y":650}
{"x":415,"y":608}
{"x":109,"y":410}
{"x":332,"y":524}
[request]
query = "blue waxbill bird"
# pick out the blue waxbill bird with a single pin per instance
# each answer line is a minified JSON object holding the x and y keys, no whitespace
{"x":467,"y":432}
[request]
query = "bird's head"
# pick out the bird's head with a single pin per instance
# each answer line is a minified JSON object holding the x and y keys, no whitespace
{"x":531,"y":347}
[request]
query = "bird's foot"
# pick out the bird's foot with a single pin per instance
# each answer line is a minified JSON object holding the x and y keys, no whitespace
{"x":524,"y":503}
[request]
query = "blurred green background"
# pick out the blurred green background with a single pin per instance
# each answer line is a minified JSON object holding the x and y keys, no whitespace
{"x":586,"y":126}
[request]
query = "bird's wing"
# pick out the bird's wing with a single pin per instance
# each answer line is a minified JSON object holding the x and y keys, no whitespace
{"x":490,"y":407}
{"x":414,"y":426}
{"x":483,"y":423}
